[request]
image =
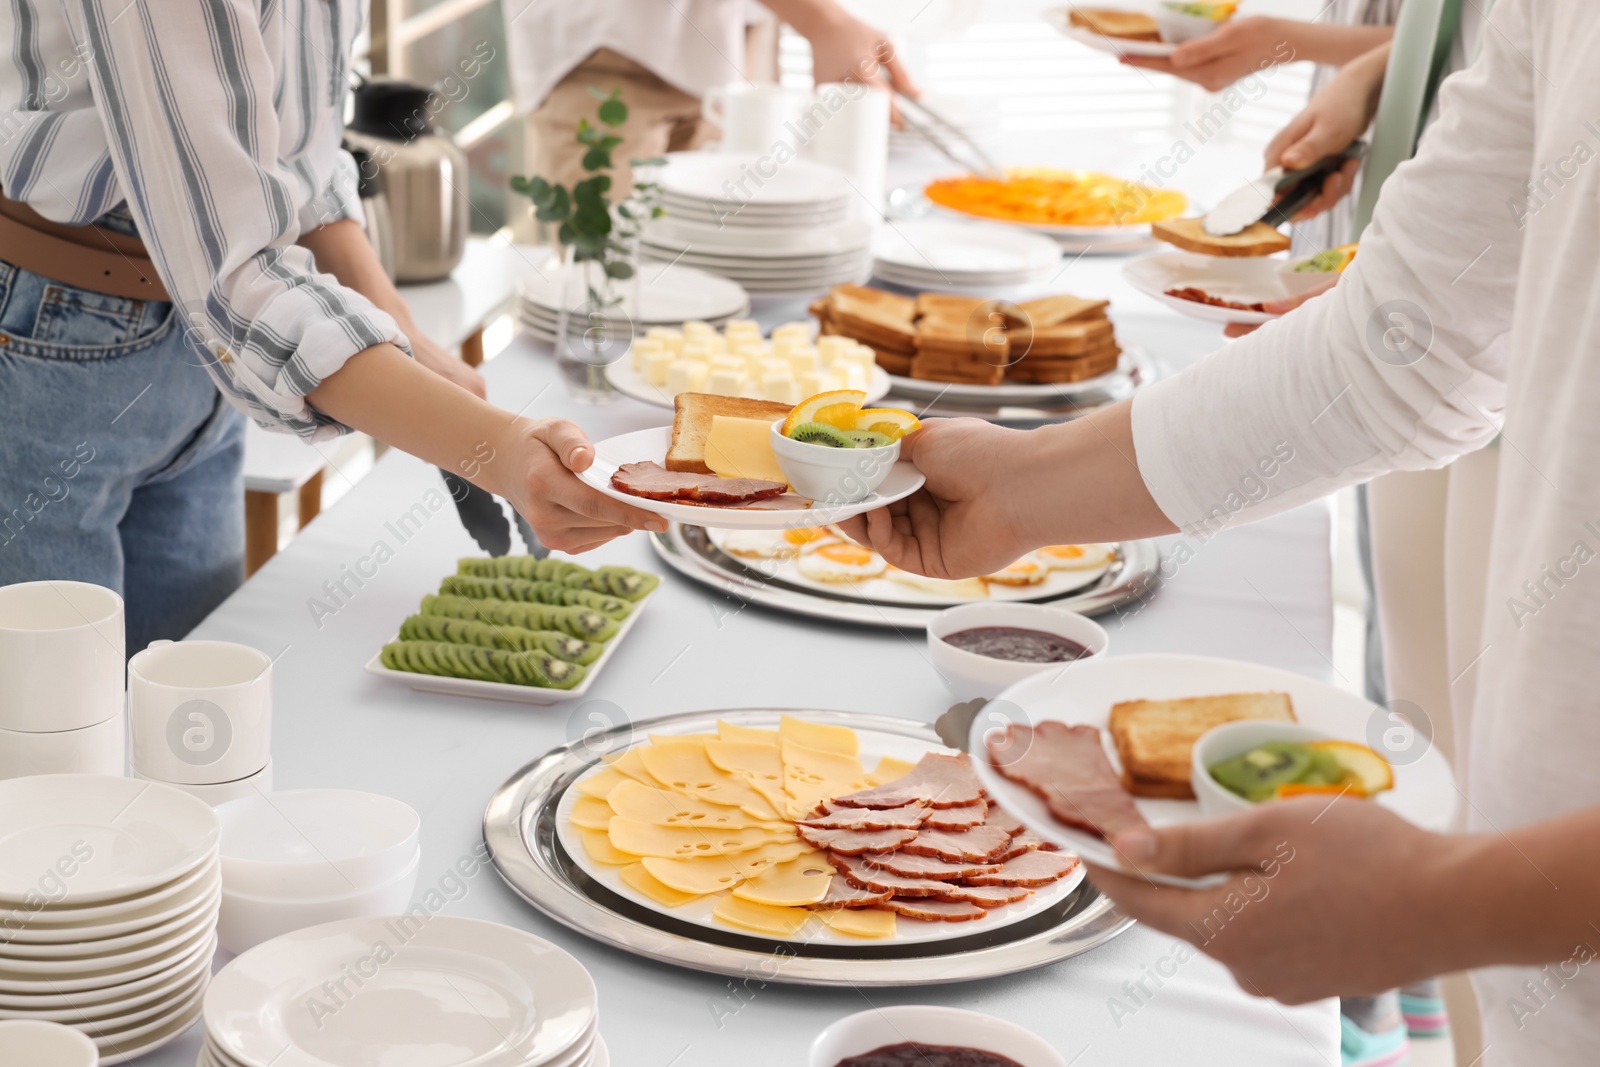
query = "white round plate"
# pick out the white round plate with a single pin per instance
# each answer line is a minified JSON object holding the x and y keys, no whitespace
{"x":717,"y":177}
{"x":670,"y":293}
{"x":936,"y":246}
{"x":1244,"y":280}
{"x":149,"y":1016}
{"x":652,"y":444}
{"x":733,"y":221}
{"x":694,"y":238}
{"x":129,"y":836}
{"x":630,"y":382}
{"x":1059,"y":19}
{"x":1424,"y":790}
{"x":874,"y":745}
{"x":15,"y":980}
{"x":125,"y":1047}
{"x":760,"y":269}
{"x":1008,"y":392}
{"x":955,"y":283}
{"x":125,"y":1004}
{"x":64,"y":957}
{"x":72,"y":939}
{"x":473,"y":992}
{"x":52,"y":996}
{"x":177,"y":897}
{"x":1089,"y":236}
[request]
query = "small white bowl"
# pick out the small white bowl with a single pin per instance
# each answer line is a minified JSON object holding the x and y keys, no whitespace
{"x":972,"y":675}
{"x":1176,"y":27}
{"x":832,"y":476}
{"x":1233,"y":739}
{"x":312,"y":843}
{"x":246,"y":920}
{"x":219,"y":793}
{"x":865,"y":1031}
{"x":1297,"y":282}
{"x":98,"y":749}
{"x":30,"y":1043}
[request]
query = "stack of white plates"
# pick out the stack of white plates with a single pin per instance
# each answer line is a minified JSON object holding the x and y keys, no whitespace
{"x":953,"y":256}
{"x":775,"y":228}
{"x":668,"y":294}
{"x":109,"y":890}
{"x":418,"y":990}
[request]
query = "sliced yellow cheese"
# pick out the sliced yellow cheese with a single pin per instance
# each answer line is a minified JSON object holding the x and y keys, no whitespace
{"x":811,"y":776}
{"x":600,"y":849}
{"x":667,"y":739}
{"x":592,"y":813}
{"x":762,"y":918}
{"x":793,"y":884}
{"x":600,"y":783}
{"x":742,"y":448}
{"x":816,"y":735}
{"x":630,"y":764}
{"x":887,"y":770}
{"x":760,"y":765}
{"x":684,"y":766}
{"x":668,"y":807}
{"x":732,"y":731}
{"x":858,"y":922}
{"x":635,"y":877}
{"x":710,"y":874}
{"x":647,"y":839}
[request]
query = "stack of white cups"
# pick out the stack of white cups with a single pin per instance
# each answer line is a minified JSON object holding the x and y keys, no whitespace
{"x":201,"y":718}
{"x":61,"y":661}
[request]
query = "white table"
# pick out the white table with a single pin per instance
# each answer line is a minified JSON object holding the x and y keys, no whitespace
{"x":1261,"y":593}
{"x":452,"y":311}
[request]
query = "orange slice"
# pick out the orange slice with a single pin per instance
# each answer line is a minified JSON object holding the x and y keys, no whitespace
{"x":1369,"y":770}
{"x":841,"y":415}
{"x":1303,"y":789}
{"x":808,"y":409}
{"x":891,"y":422}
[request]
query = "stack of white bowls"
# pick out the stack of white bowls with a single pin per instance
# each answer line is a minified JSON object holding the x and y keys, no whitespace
{"x":776,"y":228}
{"x":303,"y":857}
{"x":945,"y":255}
{"x":109,"y":889}
{"x":61,"y":664}
{"x":201,"y":718}
{"x":403,"y":990}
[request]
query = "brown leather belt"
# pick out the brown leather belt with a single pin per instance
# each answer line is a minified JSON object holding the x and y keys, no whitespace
{"x":86,"y":257}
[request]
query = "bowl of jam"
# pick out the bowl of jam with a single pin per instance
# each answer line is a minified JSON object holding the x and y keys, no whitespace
{"x":914,"y":1035}
{"x":981,"y":649}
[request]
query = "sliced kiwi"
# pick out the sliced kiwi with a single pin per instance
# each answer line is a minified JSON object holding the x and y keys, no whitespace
{"x":868,"y":438}
{"x":820,"y":433}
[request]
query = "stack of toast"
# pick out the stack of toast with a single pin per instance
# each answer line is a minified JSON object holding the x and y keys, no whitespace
{"x":1155,"y":738}
{"x":973,"y":340}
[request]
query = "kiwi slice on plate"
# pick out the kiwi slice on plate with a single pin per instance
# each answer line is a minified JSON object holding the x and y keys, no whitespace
{"x":820,"y":433}
{"x":868,"y":438}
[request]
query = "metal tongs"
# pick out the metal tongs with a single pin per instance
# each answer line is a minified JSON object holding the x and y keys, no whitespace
{"x":952,"y":142}
{"x":1278,"y":195}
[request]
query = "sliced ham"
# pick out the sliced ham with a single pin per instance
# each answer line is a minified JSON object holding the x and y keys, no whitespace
{"x":841,"y":894}
{"x":854,"y":842}
{"x":655,"y":482}
{"x":988,"y":896}
{"x":1005,"y":820}
{"x":1033,"y":868}
{"x":1026,"y":841}
{"x":1068,"y":769}
{"x":964,"y":817}
{"x":976,"y":845}
{"x":905,"y":817}
{"x":949,"y":911}
{"x":939,"y":781}
{"x":875,"y":880}
{"x":913,"y":866}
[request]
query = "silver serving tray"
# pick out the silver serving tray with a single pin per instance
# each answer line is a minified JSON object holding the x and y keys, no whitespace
{"x":519,"y":828}
{"x":689,"y":551}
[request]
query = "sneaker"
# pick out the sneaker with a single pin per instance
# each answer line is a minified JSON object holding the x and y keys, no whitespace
{"x":1359,"y":1048}
{"x":1425,"y":1015}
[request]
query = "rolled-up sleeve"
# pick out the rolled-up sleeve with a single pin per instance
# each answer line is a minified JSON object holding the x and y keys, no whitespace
{"x":185,"y":89}
{"x":1403,"y":365}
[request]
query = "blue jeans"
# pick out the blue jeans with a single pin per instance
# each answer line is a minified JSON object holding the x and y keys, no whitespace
{"x":120,"y":463}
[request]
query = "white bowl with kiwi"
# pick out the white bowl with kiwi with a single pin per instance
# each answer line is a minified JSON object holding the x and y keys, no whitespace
{"x":833,"y":466}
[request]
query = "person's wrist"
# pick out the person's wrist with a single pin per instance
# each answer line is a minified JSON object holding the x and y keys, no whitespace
{"x":1453,"y":898}
{"x":498,"y":458}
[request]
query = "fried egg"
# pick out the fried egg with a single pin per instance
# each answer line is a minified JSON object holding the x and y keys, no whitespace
{"x":841,"y":561}
{"x":1075,"y":557}
{"x":958,"y":588}
{"x":1025,"y":571}
{"x":758,"y":544}
{"x":808,"y":536}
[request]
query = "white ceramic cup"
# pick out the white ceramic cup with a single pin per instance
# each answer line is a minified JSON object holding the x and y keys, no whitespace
{"x":848,"y":129}
{"x":61,"y":656}
{"x":218,"y":793}
{"x":754,"y":118}
{"x":200,"y":711}
{"x":40,"y":1044}
{"x":98,"y":749}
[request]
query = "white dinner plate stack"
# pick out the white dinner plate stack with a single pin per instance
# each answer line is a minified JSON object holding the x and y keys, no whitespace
{"x":960,"y":257}
{"x":668,"y":294}
{"x":777,"y":229}
{"x":419,"y":990}
{"x":109,"y":890}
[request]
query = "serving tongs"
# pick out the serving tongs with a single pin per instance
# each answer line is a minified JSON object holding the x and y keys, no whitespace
{"x":951,"y":141}
{"x":1277,"y":196}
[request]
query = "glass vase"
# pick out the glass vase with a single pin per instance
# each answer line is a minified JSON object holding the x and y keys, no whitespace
{"x":594,"y":325}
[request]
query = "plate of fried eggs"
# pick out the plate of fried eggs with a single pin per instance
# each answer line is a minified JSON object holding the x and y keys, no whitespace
{"x":822,"y":558}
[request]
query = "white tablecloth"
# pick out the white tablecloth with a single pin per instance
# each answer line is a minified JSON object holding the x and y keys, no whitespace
{"x":1261,"y":593}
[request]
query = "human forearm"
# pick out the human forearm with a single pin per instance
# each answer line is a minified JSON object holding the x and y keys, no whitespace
{"x":341,"y":249}
{"x":1086,"y":460}
{"x":1320,"y":42}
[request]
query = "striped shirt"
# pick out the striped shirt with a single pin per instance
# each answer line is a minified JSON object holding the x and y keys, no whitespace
{"x":218,"y":123}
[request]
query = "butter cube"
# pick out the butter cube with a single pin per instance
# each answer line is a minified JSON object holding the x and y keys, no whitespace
{"x":655,"y":367}
{"x":831,"y":347}
{"x":696,"y":350}
{"x":733,"y":364}
{"x":643,"y":347}
{"x":798,"y":330}
{"x":802,"y":362}
{"x":727,"y":382}
{"x":853,"y":377}
{"x":742,"y":328}
{"x":671,"y":339}
{"x":779,"y":387}
{"x":686,"y":376}
{"x":696,"y":330}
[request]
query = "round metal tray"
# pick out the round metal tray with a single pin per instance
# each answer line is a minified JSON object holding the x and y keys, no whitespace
{"x":689,"y":551}
{"x":519,"y":828}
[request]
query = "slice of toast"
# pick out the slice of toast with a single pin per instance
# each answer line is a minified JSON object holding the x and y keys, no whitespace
{"x":1047,"y":311}
{"x":1256,"y":239}
{"x":1155,"y":738}
{"x":691,"y":425}
{"x":1113,"y":22}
